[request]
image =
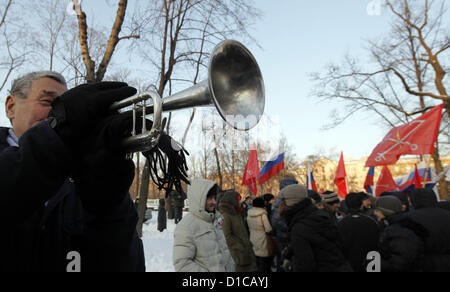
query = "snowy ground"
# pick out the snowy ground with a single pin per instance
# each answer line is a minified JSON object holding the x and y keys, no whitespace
{"x":158,"y":245}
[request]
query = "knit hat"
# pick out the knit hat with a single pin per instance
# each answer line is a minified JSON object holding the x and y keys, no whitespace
{"x":292,"y":194}
{"x":258,"y":202}
{"x":313,"y":195}
{"x":388,"y":205}
{"x":288,"y":181}
{"x":330,"y":198}
{"x":353,"y":201}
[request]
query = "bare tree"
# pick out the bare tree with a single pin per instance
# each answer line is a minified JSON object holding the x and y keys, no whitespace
{"x":94,"y":74}
{"x":13,"y":52}
{"x":407,"y":75}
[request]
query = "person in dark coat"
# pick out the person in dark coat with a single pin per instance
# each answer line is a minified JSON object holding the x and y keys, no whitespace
{"x":331,"y":203}
{"x":269,"y":199}
{"x":178,"y":204}
{"x":403,"y":197}
{"x":280,"y":229}
{"x":437,"y":221}
{"x":245,"y":206}
{"x":444,"y":205}
{"x":359,"y":232}
{"x":402,"y":241}
{"x":235,"y":232}
{"x":162,"y":215}
{"x":315,"y":243}
{"x":64,"y":191}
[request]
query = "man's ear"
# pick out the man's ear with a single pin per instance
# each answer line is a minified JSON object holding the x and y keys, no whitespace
{"x":10,"y":106}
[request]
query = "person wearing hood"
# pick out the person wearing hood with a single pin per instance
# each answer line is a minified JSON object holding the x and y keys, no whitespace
{"x":199,"y":241}
{"x":359,"y":232}
{"x":259,"y":226}
{"x":316,"y":244}
{"x":235,"y":232}
{"x":401,"y":244}
{"x":437,"y":221}
{"x":162,"y":215}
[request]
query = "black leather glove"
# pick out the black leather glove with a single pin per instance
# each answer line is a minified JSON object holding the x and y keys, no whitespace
{"x":78,"y":110}
{"x":102,"y":173}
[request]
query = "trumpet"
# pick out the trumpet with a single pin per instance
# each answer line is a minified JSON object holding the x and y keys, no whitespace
{"x":234,"y":86}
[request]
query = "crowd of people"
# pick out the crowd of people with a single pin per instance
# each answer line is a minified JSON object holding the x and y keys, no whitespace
{"x":301,"y":230}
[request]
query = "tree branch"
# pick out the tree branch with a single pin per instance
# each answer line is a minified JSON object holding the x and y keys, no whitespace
{"x":113,"y":40}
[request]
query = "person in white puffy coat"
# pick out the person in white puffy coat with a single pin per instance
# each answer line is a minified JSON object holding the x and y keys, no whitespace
{"x":199,"y":242}
{"x":259,"y":226}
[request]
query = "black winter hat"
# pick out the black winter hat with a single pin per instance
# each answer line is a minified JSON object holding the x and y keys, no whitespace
{"x":268,"y":197}
{"x":353,"y":201}
{"x":258,"y":202}
{"x":423,"y":198}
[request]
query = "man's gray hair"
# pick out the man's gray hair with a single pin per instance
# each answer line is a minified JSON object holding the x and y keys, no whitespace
{"x":21,"y":85}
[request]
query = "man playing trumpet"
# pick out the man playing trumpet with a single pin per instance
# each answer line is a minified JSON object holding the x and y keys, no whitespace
{"x":64,"y":180}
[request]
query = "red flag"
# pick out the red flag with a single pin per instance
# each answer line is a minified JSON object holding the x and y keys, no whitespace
{"x":340,"y":178}
{"x":417,"y":137}
{"x":417,"y":178}
{"x":385,"y":182}
{"x":251,"y":172}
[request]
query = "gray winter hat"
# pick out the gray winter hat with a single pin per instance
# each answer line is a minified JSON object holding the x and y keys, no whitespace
{"x":292,"y":194}
{"x":388,"y":205}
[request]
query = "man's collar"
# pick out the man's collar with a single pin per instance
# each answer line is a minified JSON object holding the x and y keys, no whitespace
{"x":12,"y":139}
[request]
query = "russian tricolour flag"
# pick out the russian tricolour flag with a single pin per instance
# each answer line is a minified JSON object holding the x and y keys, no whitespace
{"x":310,"y":181}
{"x":407,"y":183}
{"x":368,"y":183}
{"x":271,"y":168}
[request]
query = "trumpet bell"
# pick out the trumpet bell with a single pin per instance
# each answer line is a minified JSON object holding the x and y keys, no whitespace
{"x":236,"y":85}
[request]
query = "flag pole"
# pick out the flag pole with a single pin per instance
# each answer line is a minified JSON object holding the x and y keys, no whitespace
{"x":425,"y":177}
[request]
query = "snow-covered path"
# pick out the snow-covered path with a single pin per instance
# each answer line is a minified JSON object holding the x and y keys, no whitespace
{"x":158,"y":245}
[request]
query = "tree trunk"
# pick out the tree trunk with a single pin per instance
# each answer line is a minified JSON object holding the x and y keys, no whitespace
{"x":219,"y":171}
{"x":143,"y":196}
{"x":443,"y":185}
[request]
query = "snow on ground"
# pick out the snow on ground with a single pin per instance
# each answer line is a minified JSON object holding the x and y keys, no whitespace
{"x":158,"y":246}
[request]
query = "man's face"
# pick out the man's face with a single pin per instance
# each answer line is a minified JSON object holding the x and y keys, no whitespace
{"x":367,"y":203}
{"x":26,"y":113}
{"x":379,"y":215}
{"x":335,"y":206}
{"x":210,"y":204}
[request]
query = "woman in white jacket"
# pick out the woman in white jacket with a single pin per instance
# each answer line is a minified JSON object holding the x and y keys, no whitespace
{"x":259,"y":226}
{"x":199,"y":242}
